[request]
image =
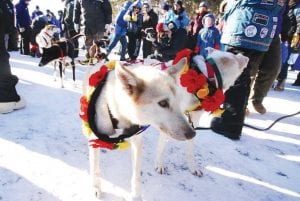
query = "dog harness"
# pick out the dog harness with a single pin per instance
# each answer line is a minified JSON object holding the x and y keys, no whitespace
{"x":207,"y":89}
{"x":88,"y":113}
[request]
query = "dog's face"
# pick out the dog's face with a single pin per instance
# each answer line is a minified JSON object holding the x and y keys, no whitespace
{"x":51,"y":29}
{"x":150,"y":96}
{"x":230,"y":65}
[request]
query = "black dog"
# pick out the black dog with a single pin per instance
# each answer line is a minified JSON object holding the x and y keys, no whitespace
{"x":63,"y":52}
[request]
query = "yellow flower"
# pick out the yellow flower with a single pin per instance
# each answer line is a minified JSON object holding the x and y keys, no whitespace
{"x":123,"y":145}
{"x":218,"y":112}
{"x":86,"y":129}
{"x":111,"y":64}
{"x":89,"y":93}
{"x":194,"y":107}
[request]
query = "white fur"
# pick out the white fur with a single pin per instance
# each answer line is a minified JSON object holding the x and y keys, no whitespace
{"x":136,"y":96}
{"x":45,"y":37}
{"x":230,"y":67}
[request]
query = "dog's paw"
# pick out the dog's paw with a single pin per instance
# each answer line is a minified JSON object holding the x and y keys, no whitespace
{"x":98,"y":193}
{"x":161,"y":170}
{"x":197,"y":173}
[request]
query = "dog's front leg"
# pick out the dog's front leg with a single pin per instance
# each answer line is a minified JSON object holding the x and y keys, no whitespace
{"x":191,"y":158}
{"x":73,"y":72}
{"x":195,"y":118}
{"x":94,"y":157}
{"x":159,"y":163}
{"x":61,"y":74}
{"x":136,"y":148}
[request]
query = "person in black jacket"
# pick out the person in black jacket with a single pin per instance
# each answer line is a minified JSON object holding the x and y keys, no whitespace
{"x":68,"y":23}
{"x":150,"y":20}
{"x":23,"y":24}
{"x":9,"y":98}
{"x":290,"y":35}
{"x":96,"y":15}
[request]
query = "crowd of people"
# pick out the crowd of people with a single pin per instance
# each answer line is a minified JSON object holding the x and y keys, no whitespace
{"x":267,"y":32}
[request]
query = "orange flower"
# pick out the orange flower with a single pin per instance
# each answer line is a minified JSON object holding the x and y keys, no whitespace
{"x":97,"y":143}
{"x":192,"y":80}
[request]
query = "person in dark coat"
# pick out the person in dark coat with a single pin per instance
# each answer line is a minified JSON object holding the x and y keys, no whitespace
{"x":68,"y":23}
{"x":150,"y":20}
{"x":196,"y":25}
{"x":9,"y":98}
{"x":134,"y":20}
{"x":23,"y":24}
{"x":251,"y":35}
{"x":290,"y":35}
{"x":96,"y":15}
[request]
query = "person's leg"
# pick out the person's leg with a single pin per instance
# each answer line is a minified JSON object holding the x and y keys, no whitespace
{"x":9,"y":98}
{"x":113,"y":43}
{"x":26,"y":41}
{"x":123,"y":41}
{"x":230,"y":124}
{"x":266,"y":75}
{"x":131,"y":45}
{"x":283,"y":72}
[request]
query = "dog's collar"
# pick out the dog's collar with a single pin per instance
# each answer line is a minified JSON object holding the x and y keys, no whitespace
{"x":88,"y":113}
{"x":213,"y":73}
{"x":210,"y":97}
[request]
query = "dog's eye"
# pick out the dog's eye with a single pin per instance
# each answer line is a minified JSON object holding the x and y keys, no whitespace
{"x":164,"y":103}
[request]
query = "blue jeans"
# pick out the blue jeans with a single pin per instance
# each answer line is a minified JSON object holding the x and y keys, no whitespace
{"x":115,"y":40}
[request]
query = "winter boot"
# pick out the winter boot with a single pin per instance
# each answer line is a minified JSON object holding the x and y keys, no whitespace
{"x":280,"y":85}
{"x":259,"y":107}
{"x":9,"y":99}
{"x":230,"y":124}
{"x":297,"y":81}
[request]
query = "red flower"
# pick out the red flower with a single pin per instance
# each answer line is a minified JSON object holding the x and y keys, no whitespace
{"x":211,"y":103}
{"x":181,"y":54}
{"x":97,"y":143}
{"x":192,"y":80}
{"x":83,"y":108}
{"x":98,"y":76}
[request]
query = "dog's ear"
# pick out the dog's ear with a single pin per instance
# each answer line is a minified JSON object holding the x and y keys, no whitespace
{"x":243,"y":60}
{"x":130,"y":82}
{"x":177,"y":68}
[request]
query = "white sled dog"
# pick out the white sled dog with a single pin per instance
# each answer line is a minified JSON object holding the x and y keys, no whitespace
{"x":128,"y":97}
{"x":229,"y":67}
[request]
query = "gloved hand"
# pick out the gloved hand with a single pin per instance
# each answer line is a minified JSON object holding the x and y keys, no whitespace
{"x":295,"y":40}
{"x":21,"y":29}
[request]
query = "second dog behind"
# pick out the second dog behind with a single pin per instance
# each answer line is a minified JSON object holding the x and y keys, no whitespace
{"x":64,"y":53}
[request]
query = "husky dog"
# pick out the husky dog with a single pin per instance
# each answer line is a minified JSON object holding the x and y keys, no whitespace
{"x":135,"y":96}
{"x":46,"y":37}
{"x":230,"y":66}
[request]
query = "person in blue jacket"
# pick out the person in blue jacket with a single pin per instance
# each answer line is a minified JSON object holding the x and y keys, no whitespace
{"x":209,"y":35}
{"x":177,"y":15}
{"x":23,"y":24}
{"x":120,"y":32}
{"x":249,"y":29}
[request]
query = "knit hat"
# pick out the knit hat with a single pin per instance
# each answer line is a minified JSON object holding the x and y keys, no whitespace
{"x":165,"y":6}
{"x":203,"y":4}
{"x":179,"y":3}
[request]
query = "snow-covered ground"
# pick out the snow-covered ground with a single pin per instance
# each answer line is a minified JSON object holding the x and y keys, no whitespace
{"x":44,"y":156}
